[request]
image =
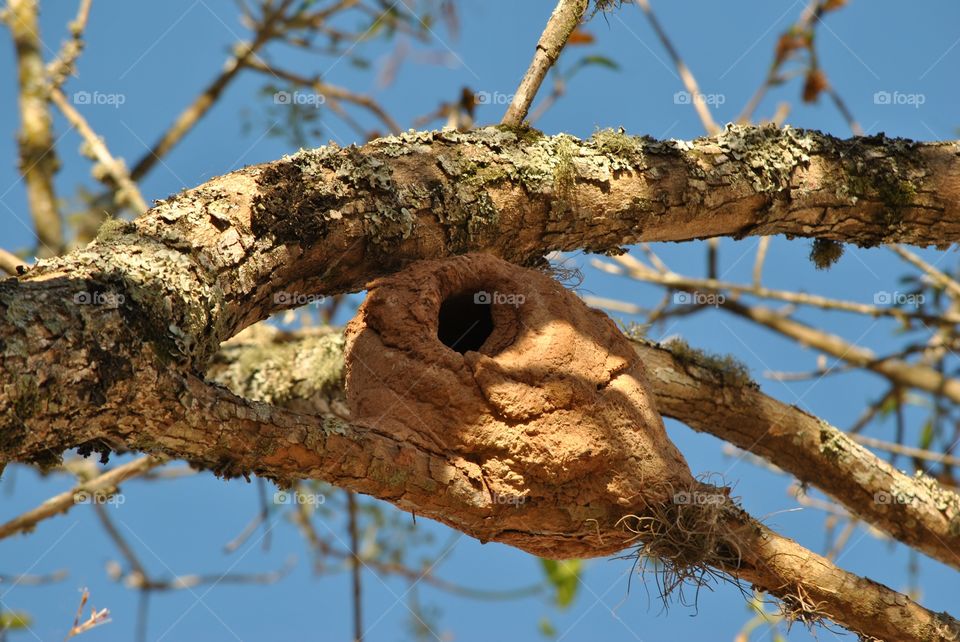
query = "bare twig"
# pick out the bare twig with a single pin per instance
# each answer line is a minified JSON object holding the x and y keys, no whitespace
{"x":9,"y":262}
{"x":355,"y":566}
{"x":938,"y":277}
{"x":245,"y":52}
{"x":96,"y":617}
{"x":641,"y":272}
{"x":328,"y":91}
{"x":63,"y":502}
{"x":909,"y":451}
{"x":63,"y":65}
{"x":762,"y":247}
{"x":127,"y":191}
{"x":686,"y":76}
{"x":896,"y":370}
{"x":38,"y":159}
{"x":564,"y":19}
{"x":33,"y":580}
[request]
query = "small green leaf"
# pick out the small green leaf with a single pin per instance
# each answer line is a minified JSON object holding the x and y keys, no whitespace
{"x":564,"y":576}
{"x":602,"y":61}
{"x":546,"y":627}
{"x":926,"y":437}
{"x":14,"y":620}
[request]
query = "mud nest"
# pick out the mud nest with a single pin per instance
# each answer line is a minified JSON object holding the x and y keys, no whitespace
{"x":539,"y":400}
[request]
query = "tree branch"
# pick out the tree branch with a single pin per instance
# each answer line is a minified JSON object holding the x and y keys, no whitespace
{"x":136,"y":316}
{"x":38,"y":158}
{"x":564,"y":19}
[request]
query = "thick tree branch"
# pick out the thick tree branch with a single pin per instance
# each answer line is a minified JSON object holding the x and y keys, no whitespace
{"x":918,"y":511}
{"x":329,"y":220}
{"x":269,"y":366}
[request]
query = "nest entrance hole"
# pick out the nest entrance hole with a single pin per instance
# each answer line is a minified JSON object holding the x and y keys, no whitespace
{"x":466,"y":320}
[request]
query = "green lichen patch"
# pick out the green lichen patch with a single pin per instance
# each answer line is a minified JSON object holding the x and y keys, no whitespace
{"x":726,"y":369}
{"x":113,"y":228}
{"x":523,"y":133}
{"x":302,"y":194}
{"x":293,"y":205}
{"x":624,"y":151}
{"x":886,"y":173}
{"x":278,"y":373}
{"x":765,"y":156}
{"x":564,"y":172}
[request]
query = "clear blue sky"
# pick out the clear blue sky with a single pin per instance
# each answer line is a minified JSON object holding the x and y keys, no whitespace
{"x":159,"y":55}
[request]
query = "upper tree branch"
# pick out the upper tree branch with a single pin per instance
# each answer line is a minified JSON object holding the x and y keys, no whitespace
{"x":564,"y":19}
{"x":38,"y":159}
{"x":329,"y":220}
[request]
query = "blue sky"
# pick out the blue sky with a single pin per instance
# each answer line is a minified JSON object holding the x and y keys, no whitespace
{"x":159,"y":55}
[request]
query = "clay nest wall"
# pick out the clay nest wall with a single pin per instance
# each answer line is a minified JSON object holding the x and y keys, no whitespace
{"x":537,"y":401}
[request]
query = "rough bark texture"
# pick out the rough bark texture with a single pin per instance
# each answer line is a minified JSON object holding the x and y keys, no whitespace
{"x":705,"y":395}
{"x":215,"y":257}
{"x":105,"y":348}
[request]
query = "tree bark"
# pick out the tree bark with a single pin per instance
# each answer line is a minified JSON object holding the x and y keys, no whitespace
{"x":105,"y":348}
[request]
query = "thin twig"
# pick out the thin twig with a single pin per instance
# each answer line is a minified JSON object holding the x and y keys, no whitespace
{"x":65,"y":501}
{"x":96,"y":617}
{"x":564,"y":19}
{"x":762,"y":247}
{"x":127,"y":191}
{"x":208,"y":97}
{"x":327,"y":91}
{"x":355,"y":565}
{"x":671,"y":279}
{"x":9,"y":262}
{"x":939,"y":277}
{"x":64,"y":64}
{"x":697,"y":99}
{"x":909,"y":451}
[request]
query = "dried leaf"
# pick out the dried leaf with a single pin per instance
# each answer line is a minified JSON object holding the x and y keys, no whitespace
{"x":816,"y":82}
